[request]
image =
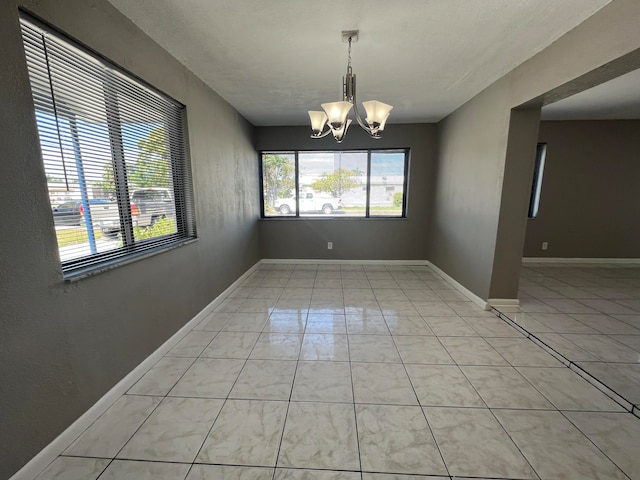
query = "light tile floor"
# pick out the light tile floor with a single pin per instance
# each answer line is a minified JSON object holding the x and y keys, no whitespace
{"x":590,"y":314}
{"x":355,"y":372}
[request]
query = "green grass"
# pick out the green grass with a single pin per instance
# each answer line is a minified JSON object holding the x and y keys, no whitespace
{"x":74,"y":236}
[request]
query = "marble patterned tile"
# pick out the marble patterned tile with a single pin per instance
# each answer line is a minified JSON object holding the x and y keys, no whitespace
{"x":424,"y":350}
{"x":382,"y":383}
{"x":605,"y":348}
{"x":567,"y":390}
{"x":247,"y":432}
{"x":325,"y":346}
{"x":265,"y":380}
{"x":174,"y":432}
{"x":299,"y":474}
{"x":622,"y":378}
{"x":323,"y":382}
{"x":617,"y":435}
{"x":562,"y":323}
{"x":366,"y":325}
{"x":373,"y":348}
{"x":132,"y":470}
{"x":277,"y":346}
{"x":474,"y":444}
{"x":423,"y":295}
{"x":523,"y":352}
{"x":397,"y":307}
{"x":286,"y":323}
{"x":208,"y":377}
{"x":407,"y":325}
{"x":229,"y":472}
{"x":390,"y":294}
{"x":472,"y":351}
{"x":326,"y":323}
{"x":397,"y":439}
{"x":214,"y":322}
{"x":469,"y":309}
{"x":606,"y":324}
{"x":567,"y":305}
{"x":443,"y":385}
{"x":556,"y":448}
{"x":231,"y":345}
{"x":192,"y":344}
{"x":450,"y":327}
{"x":108,"y":434}
{"x":492,"y":327}
{"x":631,"y":341}
{"x":247,"y":322}
{"x":362,"y":308}
{"x":387,"y":476}
{"x":565,"y":347}
{"x":161,"y":377}
{"x":74,"y":468}
{"x":320,"y":435}
{"x":504,"y":387}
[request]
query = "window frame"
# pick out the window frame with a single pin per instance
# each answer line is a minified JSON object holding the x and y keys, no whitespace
{"x":369,"y":151}
{"x":154,"y":101}
{"x":536,"y":184}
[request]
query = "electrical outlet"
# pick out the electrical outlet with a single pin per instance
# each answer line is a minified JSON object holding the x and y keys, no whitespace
{"x":330,"y":245}
{"x":545,"y":245}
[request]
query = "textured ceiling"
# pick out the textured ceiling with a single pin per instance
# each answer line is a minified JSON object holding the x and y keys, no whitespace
{"x":275,"y":59}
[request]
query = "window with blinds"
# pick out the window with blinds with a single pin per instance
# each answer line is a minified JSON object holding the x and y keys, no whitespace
{"x":114,"y":152}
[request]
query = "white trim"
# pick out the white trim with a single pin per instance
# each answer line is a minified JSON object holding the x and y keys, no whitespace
{"x":462,"y":289}
{"x":49,"y":453}
{"x":534,"y":260}
{"x":293,"y":261}
{"x":503,"y":302}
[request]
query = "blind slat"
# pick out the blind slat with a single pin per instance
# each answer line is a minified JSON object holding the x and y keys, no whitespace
{"x":102,"y":132}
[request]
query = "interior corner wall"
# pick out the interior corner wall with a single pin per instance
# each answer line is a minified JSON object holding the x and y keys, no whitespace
{"x":356,"y":238}
{"x":473,"y":141}
{"x":63,"y":345}
{"x":590,"y":196}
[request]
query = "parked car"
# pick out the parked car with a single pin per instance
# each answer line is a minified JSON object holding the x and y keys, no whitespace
{"x":148,"y":205}
{"x":310,"y":202}
{"x":71,"y":212}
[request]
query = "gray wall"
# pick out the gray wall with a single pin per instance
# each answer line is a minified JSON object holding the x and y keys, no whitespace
{"x":473,"y":140}
{"x":63,"y":345}
{"x":590,"y":198}
{"x":356,"y":239}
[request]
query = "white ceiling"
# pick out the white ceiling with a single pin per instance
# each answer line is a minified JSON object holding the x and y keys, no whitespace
{"x":275,"y":59}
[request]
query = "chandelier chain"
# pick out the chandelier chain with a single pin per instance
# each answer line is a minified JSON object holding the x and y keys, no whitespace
{"x":349,"y":55}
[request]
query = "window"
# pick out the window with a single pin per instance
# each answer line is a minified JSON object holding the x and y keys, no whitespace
{"x":114,"y":155}
{"x":536,"y":187}
{"x":362,"y":183}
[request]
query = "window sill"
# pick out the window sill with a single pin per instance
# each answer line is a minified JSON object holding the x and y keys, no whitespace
{"x":80,"y":274}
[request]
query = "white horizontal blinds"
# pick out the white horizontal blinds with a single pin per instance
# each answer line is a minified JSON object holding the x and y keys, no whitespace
{"x":114,"y":147}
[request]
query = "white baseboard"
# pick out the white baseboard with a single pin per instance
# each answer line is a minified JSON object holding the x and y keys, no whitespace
{"x":534,"y":260}
{"x":48,"y":454}
{"x":292,"y":261}
{"x":461,"y":288}
{"x":503,"y":302}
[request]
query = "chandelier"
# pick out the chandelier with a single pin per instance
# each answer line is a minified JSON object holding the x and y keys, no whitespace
{"x":334,"y":119}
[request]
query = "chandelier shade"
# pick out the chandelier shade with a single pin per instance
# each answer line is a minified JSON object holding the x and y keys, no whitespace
{"x":335,"y":118}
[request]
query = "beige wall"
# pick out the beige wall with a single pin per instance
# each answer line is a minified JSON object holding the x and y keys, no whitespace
{"x":466,"y":225}
{"x":63,"y":345}
{"x":590,"y":198}
{"x":356,"y":239}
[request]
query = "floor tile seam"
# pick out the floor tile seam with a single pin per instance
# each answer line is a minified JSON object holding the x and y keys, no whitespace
{"x":504,"y":429}
{"x":562,"y":412}
{"x":286,"y":414}
{"x":571,"y":365}
{"x":224,"y":402}
{"x":355,"y":413}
